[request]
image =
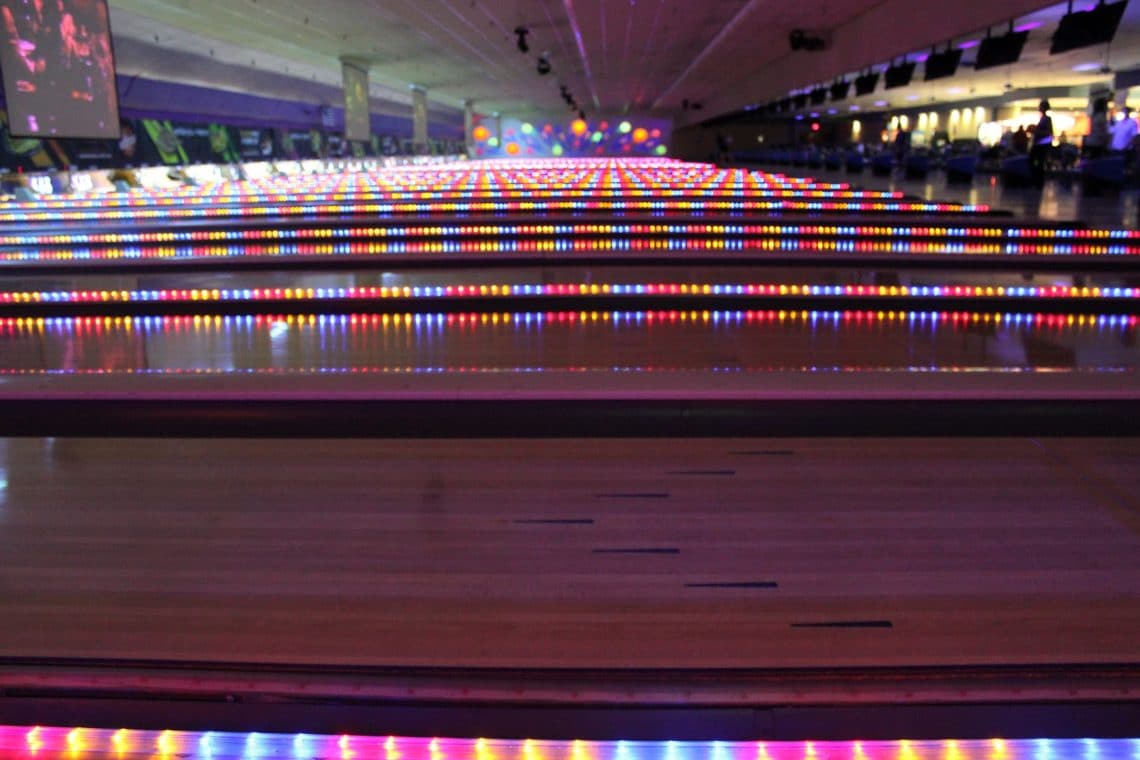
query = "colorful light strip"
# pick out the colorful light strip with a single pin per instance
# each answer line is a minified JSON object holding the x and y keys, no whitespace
{"x":25,"y":742}
{"x":636,"y":177}
{"x":630,"y":247}
{"x":563,"y":290}
{"x":538,"y":318}
{"x":497,"y":205}
{"x":576,"y":229}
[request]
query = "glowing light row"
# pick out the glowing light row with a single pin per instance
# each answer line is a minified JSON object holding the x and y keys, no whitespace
{"x":704,"y":247}
{"x":475,"y":319}
{"x":498,"y":206}
{"x":727,"y":290}
{"x":566,"y":175}
{"x":28,"y":742}
{"x":507,"y":230}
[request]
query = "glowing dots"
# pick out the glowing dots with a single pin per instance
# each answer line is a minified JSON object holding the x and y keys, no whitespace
{"x":252,"y":744}
{"x":512,"y":149}
{"x":492,"y":142}
{"x":597,"y":137}
{"x":75,"y":740}
{"x":660,"y":150}
{"x":345,"y":746}
{"x":206,"y":743}
{"x":640,"y":135}
{"x":481,"y":133}
{"x":527,"y":128}
{"x":165,"y":743}
{"x":119,"y":740}
{"x":34,"y":740}
{"x":625,"y":127}
{"x":556,"y":149}
{"x":578,"y":127}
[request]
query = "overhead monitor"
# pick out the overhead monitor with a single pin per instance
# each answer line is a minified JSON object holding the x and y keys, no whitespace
{"x":840,"y":89}
{"x":942,"y":65}
{"x":59,"y":69}
{"x":865,"y":84}
{"x":819,"y":96}
{"x":1001,"y":51}
{"x":899,"y":75}
{"x":1084,"y":28}
{"x":357,"y":120}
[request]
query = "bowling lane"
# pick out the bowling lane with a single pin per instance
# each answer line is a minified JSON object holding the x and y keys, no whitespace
{"x":626,"y":553}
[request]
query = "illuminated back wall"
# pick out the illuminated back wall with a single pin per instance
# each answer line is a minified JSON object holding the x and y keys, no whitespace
{"x":515,"y":138}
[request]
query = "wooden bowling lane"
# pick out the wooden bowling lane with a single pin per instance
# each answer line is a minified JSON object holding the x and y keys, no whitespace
{"x":622,"y":553}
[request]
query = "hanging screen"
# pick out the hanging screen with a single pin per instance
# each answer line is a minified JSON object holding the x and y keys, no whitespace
{"x":59,"y":69}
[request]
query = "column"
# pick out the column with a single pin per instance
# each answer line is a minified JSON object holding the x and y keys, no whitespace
{"x":468,"y":127}
{"x":419,"y":120}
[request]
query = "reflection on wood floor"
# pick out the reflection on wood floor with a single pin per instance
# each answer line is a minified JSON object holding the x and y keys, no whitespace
{"x":572,"y":553}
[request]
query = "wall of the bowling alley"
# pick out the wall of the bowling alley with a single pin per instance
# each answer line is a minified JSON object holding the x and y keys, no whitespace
{"x":699,"y":143}
{"x":508,"y":137}
{"x":168,"y":113}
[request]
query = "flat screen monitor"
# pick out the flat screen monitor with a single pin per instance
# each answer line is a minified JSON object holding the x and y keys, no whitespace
{"x":59,"y":69}
{"x":865,"y":84}
{"x":942,"y":65}
{"x":357,"y":122}
{"x":899,"y":76}
{"x":1001,"y":51}
{"x":1084,"y":28}
{"x":819,"y":96}
{"x":839,"y":90}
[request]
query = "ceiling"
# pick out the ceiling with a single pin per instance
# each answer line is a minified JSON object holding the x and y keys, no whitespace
{"x":614,"y":56}
{"x":1066,"y":77}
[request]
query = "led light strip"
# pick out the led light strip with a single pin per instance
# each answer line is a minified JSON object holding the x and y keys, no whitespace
{"x":726,"y":290}
{"x":508,"y":230}
{"x":490,"y":177}
{"x":710,"y":248}
{"x":440,"y":207}
{"x":76,"y":742}
{"x":1041,"y":319}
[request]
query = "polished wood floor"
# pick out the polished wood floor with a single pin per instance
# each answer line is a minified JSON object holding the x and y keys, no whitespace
{"x":572,"y":553}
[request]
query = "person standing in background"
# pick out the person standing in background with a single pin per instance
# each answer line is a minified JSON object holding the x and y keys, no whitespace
{"x":1042,"y":144}
{"x":1124,"y":132}
{"x":1096,"y":142}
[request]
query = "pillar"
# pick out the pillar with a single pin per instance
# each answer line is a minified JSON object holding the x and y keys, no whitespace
{"x":419,"y":120}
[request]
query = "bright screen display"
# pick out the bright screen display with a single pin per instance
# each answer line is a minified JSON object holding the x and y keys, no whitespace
{"x":59,"y":69}
{"x":357,"y":122}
